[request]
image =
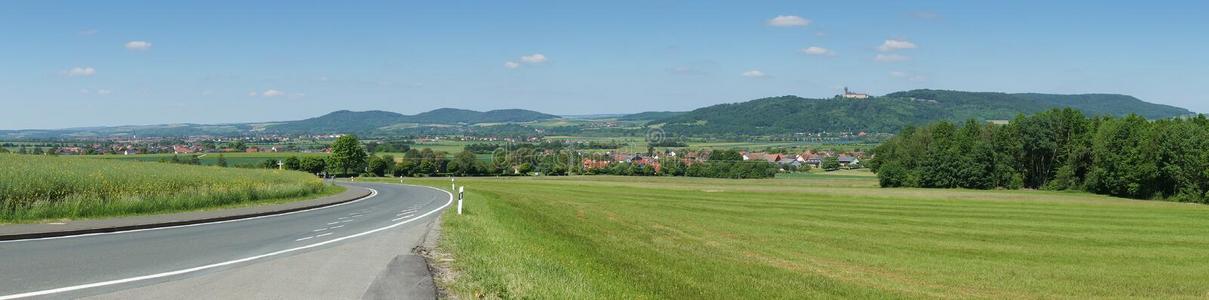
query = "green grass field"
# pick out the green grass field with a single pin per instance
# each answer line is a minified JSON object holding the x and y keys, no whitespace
{"x":35,"y":188}
{"x":814,"y":236}
{"x":233,"y":159}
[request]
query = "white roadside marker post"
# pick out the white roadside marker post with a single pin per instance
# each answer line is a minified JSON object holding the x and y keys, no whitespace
{"x":461,"y":196}
{"x":453,"y":186}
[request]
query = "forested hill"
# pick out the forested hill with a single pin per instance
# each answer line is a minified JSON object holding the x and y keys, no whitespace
{"x":793,"y":114}
{"x":990,"y":105}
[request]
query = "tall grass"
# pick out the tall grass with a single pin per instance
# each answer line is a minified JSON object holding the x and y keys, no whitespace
{"x":46,"y":187}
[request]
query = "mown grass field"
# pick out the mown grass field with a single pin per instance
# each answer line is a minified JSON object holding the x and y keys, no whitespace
{"x":35,"y":188}
{"x":815,"y":236}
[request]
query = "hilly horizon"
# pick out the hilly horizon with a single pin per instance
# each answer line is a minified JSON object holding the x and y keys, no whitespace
{"x":892,"y":112}
{"x":783,"y":114}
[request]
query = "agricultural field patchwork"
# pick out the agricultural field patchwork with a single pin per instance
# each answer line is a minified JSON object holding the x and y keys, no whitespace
{"x":812,"y":236}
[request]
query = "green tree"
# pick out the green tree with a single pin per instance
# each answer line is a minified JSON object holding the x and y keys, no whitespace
{"x":293,"y":163}
{"x":269,"y":164}
{"x":378,"y":166}
{"x":312,"y":164}
{"x":830,"y":163}
{"x":347,"y":155}
{"x":464,"y":164}
{"x":238,"y":145}
{"x":222,"y":161}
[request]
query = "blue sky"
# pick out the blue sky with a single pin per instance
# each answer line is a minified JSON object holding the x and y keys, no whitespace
{"x":86,"y":63}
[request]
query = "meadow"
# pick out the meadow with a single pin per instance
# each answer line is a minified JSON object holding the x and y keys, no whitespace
{"x":36,"y":188}
{"x":812,"y":236}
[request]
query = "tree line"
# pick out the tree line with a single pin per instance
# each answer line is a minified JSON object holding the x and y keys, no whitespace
{"x":1059,"y":149}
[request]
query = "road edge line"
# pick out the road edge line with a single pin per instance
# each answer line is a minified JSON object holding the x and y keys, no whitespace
{"x":38,"y":236}
{"x":230,"y":262}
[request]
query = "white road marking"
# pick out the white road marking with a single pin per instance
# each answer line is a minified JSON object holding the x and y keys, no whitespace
{"x":318,"y":230}
{"x":323,"y":235}
{"x":346,"y":221}
{"x":333,"y":223}
{"x":334,"y":227}
{"x":341,"y":218}
{"x":303,"y":239}
{"x":403,"y":217}
{"x":372,"y":193}
{"x":226,"y":263}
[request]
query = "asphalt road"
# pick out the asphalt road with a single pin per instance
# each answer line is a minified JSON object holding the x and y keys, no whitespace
{"x":340,"y":251}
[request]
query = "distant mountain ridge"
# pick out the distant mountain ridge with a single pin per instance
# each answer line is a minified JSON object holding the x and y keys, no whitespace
{"x":889,"y":113}
{"x":365,"y":122}
{"x":766,"y":116}
{"x":343,"y":121}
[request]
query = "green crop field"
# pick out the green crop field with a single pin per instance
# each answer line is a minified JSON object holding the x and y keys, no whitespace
{"x":813,"y":236}
{"x":233,"y":159}
{"x":35,"y":188}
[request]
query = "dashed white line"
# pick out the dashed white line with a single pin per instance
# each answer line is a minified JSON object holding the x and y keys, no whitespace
{"x":333,"y":223}
{"x":303,"y":239}
{"x":400,"y":218}
{"x":334,"y":227}
{"x":323,"y":235}
{"x":346,"y":221}
{"x":226,"y":263}
{"x":318,"y":230}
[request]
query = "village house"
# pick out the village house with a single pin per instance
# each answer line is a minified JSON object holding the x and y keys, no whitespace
{"x":847,"y":161}
{"x":761,"y":156}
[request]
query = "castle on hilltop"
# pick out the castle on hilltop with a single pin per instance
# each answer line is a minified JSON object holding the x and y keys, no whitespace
{"x":854,"y":95}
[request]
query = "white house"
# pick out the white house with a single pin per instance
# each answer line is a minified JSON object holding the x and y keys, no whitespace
{"x":854,"y":95}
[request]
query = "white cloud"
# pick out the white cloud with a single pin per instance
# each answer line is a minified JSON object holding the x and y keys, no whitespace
{"x":138,"y":45}
{"x":893,"y":44}
{"x":815,"y":50}
{"x":891,"y":58}
{"x":511,"y":65}
{"x":534,"y":59}
{"x":81,"y":72}
{"x":253,"y":94}
{"x":788,"y":21}
{"x":908,"y":76}
{"x":754,"y":74}
{"x":272,"y":93}
{"x":104,"y":92}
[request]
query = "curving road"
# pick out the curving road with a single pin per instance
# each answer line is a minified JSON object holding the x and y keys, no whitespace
{"x":341,"y":251}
